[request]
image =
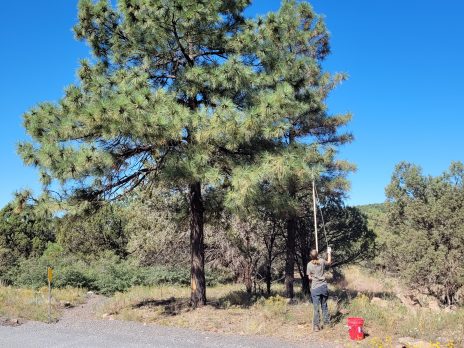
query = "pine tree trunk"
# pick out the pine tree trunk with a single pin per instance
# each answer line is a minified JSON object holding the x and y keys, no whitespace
{"x":198,"y":283}
{"x":290,"y":258}
{"x":304,"y":250}
{"x":248,"y":266}
{"x":291,"y":235}
{"x":248,"y":279}
{"x":305,"y":281}
{"x":268,"y":278}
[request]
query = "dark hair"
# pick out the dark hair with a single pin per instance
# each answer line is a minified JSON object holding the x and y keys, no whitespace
{"x":314,"y":254}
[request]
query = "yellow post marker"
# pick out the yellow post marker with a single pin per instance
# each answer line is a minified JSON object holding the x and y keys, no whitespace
{"x":50,"y":277}
{"x":50,"y":274}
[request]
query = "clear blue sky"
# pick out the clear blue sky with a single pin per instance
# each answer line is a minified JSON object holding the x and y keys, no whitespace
{"x":405,"y":60}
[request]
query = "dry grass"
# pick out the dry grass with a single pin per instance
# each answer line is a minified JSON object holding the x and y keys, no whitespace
{"x":230,"y":310}
{"x":385,"y":324}
{"x":33,"y":304}
{"x":388,"y":321}
{"x":354,"y":278}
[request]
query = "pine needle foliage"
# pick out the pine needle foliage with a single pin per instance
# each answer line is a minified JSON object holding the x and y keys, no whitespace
{"x":180,"y":93}
{"x":290,"y":46}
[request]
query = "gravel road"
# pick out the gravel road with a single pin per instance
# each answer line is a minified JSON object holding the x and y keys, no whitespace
{"x":79,"y":328}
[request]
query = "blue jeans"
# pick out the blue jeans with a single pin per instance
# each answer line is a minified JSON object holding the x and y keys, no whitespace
{"x":320,"y":296}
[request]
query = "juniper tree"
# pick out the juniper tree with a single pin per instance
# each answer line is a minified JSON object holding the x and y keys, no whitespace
{"x":289,"y":47}
{"x":104,"y":230}
{"x":423,"y":239}
{"x":24,"y":232}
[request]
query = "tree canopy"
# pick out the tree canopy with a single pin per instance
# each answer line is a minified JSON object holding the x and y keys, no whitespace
{"x":429,"y":213}
{"x":191,"y":95}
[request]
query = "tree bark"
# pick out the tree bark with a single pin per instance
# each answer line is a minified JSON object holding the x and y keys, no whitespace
{"x":198,"y":282}
{"x":248,"y":265}
{"x":303,"y":258}
{"x":268,"y":278}
{"x":248,"y":278}
{"x":291,"y":235}
{"x":290,"y":258}
{"x":305,"y":281}
{"x":270,"y":258}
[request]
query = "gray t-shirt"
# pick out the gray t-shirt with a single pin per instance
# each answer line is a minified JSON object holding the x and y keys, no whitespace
{"x":316,"y":272}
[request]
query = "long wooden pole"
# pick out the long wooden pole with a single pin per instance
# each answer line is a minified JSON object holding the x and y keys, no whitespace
{"x":49,"y":301}
{"x":49,"y":277}
{"x":315,"y":216}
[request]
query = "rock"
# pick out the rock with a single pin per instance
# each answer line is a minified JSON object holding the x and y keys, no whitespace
{"x":450,"y":309}
{"x":379,"y":302}
{"x":105,"y":315}
{"x":90,"y":293}
{"x":434,"y":306}
{"x":412,"y":342}
{"x":291,"y":301}
{"x":10,"y":322}
{"x":409,"y":301}
{"x":65,"y":304}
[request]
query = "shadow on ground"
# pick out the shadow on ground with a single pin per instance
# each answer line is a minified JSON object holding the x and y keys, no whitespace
{"x":240,"y":298}
{"x":169,"y":307}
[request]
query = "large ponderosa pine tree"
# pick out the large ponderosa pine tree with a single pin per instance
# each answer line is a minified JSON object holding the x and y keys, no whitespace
{"x":290,"y":46}
{"x":151,"y":105}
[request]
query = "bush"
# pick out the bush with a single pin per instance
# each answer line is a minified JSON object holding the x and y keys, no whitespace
{"x":159,"y":275}
{"x":73,"y":276}
{"x":31,"y":273}
{"x":106,"y":274}
{"x":111,"y":274}
{"x":68,"y":270}
{"x":424,"y":238}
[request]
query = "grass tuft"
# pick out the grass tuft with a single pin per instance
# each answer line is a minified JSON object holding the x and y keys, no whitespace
{"x":32,"y":304}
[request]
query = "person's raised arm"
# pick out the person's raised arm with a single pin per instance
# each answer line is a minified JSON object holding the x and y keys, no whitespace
{"x":329,"y":256}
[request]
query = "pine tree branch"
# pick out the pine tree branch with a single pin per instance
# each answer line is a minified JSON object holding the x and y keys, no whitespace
{"x":179,"y":43}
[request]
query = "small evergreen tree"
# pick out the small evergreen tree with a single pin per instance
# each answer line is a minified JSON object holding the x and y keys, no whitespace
{"x":105,"y":230}
{"x":24,"y":232}
{"x":290,"y":46}
{"x":423,"y":241}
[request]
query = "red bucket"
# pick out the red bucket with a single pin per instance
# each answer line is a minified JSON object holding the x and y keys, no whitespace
{"x":355,"y":326}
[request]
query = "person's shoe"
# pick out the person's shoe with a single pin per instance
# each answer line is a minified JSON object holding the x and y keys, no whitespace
{"x":316,"y":328}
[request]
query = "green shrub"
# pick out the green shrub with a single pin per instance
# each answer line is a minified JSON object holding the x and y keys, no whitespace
{"x":73,"y":276}
{"x":216,"y":277}
{"x":423,"y":241}
{"x":31,"y":273}
{"x":111,"y":274}
{"x":106,"y":274}
{"x":159,"y":275}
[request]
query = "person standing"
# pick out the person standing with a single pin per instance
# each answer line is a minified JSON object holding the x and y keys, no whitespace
{"x":319,"y":290}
